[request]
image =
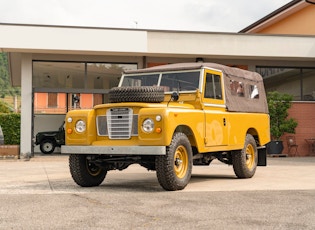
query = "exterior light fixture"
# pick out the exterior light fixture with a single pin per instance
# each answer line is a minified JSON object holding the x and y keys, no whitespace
{"x":199,"y":59}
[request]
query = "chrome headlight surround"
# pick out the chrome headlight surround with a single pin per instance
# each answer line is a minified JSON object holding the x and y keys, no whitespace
{"x":148,"y":125}
{"x":80,"y":126}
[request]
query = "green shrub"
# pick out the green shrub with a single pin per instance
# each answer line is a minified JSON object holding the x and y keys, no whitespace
{"x":278,"y":105}
{"x":10,"y":124}
{"x":4,"y":107}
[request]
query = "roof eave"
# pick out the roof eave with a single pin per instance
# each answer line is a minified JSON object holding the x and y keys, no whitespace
{"x":276,"y":15}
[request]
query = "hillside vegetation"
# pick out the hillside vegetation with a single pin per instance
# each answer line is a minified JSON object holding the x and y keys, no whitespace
{"x":7,"y":92}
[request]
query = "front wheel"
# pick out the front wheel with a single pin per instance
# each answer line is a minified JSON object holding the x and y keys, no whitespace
{"x":84,"y":172}
{"x":245,"y":161}
{"x":173,"y":170}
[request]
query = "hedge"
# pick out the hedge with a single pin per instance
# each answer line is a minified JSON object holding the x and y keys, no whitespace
{"x":4,"y":107}
{"x":10,"y":124}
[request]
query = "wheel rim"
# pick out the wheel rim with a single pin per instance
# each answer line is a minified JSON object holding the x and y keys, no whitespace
{"x":92,"y":168}
{"x":180,"y":161}
{"x":250,"y":156}
{"x":48,"y":147}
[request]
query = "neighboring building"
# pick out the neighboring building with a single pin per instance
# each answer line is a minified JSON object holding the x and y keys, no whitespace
{"x":56,"y":64}
{"x":295,"y":18}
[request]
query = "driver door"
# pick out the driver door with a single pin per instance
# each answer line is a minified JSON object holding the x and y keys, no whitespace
{"x":216,"y":125}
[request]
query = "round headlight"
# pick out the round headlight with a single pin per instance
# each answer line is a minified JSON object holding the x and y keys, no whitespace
{"x":80,"y":126}
{"x":148,"y":125}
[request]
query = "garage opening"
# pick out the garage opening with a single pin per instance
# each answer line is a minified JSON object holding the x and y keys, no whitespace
{"x":62,"y":86}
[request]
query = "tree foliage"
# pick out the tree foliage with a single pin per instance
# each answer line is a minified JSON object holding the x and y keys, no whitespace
{"x":278,"y":105}
{"x":5,"y":84}
{"x":4,"y":107}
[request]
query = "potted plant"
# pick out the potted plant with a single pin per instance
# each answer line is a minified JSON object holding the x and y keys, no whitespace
{"x":278,"y":105}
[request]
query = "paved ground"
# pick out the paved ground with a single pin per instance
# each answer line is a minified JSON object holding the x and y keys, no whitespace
{"x":40,"y":194}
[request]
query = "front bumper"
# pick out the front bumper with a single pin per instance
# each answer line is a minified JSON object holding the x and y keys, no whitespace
{"x":114,"y":150}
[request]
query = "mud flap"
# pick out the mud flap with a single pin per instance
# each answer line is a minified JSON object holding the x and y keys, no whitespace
{"x":262,"y":156}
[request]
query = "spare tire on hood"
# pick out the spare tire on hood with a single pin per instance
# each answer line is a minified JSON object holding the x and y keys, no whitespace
{"x":150,"y":94}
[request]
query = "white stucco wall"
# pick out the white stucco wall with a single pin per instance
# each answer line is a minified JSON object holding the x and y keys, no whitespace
{"x":26,"y":105}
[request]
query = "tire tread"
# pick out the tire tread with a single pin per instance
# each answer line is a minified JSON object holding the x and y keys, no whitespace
{"x":165,"y":165}
{"x":150,"y":94}
{"x":79,"y":173}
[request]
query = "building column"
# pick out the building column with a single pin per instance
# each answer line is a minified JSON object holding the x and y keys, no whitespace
{"x":252,"y":68}
{"x":26,"y":106}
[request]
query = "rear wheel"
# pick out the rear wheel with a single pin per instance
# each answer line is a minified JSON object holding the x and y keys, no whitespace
{"x":84,"y":172}
{"x":47,"y":146}
{"x":245,"y":161}
{"x":173,"y":170}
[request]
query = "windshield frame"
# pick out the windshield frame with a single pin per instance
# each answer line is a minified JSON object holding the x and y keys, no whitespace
{"x":161,"y":74}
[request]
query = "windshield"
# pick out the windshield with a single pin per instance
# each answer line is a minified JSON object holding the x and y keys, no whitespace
{"x":174,"y":81}
{"x":141,"y":80}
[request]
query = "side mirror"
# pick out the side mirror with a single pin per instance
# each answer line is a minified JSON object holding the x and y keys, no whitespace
{"x":174,"y":96}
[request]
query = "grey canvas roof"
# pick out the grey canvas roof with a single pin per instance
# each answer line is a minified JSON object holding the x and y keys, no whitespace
{"x":190,"y":66}
{"x":233,"y":103}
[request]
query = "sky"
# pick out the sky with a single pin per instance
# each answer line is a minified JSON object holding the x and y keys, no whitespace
{"x":186,"y":15}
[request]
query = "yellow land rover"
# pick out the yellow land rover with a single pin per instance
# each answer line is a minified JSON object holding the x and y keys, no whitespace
{"x":169,"y":118}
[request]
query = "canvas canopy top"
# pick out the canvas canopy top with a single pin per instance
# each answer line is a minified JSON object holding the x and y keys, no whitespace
{"x":251,"y":82}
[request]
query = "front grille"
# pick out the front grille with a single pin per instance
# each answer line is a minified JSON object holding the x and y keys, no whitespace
{"x":119,"y":123}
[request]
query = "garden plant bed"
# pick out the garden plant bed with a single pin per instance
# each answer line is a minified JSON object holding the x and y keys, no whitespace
{"x":10,"y":151}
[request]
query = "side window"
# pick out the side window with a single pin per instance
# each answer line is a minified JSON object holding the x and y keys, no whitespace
{"x":240,"y":90}
{"x":237,"y":88}
{"x":213,"y":87}
{"x":253,"y":89}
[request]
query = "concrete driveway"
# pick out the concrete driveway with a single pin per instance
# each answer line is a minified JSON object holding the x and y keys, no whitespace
{"x":40,"y":194}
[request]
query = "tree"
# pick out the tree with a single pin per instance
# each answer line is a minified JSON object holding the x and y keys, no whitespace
{"x":4,"y":107}
{"x":5,"y":85}
{"x":278,"y":105}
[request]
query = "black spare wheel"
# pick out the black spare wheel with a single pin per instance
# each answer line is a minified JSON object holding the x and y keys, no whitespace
{"x":151,"y":94}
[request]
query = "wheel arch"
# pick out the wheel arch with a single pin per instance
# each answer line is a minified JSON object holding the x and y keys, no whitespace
{"x":261,"y":150}
{"x":188,"y":132}
{"x":47,"y":138}
{"x":254,"y":133}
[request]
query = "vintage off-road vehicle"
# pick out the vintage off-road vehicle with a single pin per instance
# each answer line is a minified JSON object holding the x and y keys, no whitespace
{"x":169,"y":118}
{"x":49,"y":140}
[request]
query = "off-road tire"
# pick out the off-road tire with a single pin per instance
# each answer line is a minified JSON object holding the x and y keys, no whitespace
{"x":173,"y":170}
{"x":47,"y":146}
{"x":84,"y":173}
{"x":149,"y":94}
{"x":245,"y":161}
